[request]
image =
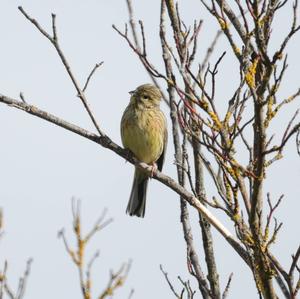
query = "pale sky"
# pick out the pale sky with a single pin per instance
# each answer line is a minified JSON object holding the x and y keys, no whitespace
{"x":43,"y":166}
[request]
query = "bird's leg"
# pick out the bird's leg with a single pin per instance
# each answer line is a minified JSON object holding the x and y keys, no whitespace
{"x":154,"y":169}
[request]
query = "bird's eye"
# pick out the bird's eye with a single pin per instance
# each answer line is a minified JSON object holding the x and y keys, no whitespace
{"x":145,"y":97}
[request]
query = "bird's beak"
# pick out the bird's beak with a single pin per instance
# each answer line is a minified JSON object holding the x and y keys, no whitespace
{"x":131,"y":92}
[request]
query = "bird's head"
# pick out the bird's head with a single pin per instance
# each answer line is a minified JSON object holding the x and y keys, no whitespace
{"x":146,"y":95}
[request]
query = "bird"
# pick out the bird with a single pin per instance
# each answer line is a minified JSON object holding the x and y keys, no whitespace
{"x":144,"y":134}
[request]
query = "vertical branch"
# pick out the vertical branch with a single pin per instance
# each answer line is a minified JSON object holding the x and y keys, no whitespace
{"x":262,"y":70}
{"x":181,"y":46}
{"x":193,"y":259}
{"x":192,"y":255}
{"x":256,"y":69}
{"x":207,"y":239}
{"x":171,"y":91}
{"x":259,"y":143}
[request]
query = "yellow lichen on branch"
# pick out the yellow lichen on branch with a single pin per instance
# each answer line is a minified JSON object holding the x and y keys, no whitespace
{"x":250,"y":74}
{"x":270,"y":113}
{"x":236,"y":50}
{"x":216,"y":120}
{"x":223,"y":24}
{"x":227,"y":118}
{"x":227,"y":189}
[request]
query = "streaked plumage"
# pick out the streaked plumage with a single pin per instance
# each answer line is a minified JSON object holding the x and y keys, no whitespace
{"x":144,"y":133}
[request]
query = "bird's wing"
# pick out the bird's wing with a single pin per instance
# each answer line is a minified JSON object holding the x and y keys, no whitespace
{"x":161,"y":159}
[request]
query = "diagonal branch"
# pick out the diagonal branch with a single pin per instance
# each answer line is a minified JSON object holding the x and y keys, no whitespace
{"x":106,"y":142}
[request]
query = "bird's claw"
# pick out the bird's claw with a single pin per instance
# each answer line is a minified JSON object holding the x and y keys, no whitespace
{"x":153,"y":170}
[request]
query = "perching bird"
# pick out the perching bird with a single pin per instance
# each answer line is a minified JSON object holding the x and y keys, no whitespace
{"x":144,"y":133}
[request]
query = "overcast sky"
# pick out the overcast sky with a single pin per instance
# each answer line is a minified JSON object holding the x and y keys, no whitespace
{"x":43,"y":166}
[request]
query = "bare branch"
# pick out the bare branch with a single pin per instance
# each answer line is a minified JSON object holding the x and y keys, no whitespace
{"x":116,"y":280}
{"x":108,"y":143}
{"x":137,"y":44}
{"x":296,"y":258}
{"x":169,"y":282}
{"x":91,"y":74}
{"x":225,"y":294}
{"x":23,"y":280}
{"x":78,"y":254}
{"x":54,"y":41}
{"x":19,"y":294}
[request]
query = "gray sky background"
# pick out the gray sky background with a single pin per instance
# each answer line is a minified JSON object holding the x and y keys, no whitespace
{"x":43,"y":166}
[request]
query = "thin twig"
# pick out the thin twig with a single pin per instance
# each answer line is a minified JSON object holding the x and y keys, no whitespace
{"x":91,"y":74}
{"x":169,"y":282}
{"x":225,"y":294}
{"x":54,"y":41}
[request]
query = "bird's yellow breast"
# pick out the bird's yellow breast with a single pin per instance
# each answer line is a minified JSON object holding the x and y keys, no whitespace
{"x":142,"y":132}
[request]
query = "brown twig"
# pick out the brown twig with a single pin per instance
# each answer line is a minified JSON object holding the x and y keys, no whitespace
{"x":54,"y":41}
{"x":169,"y":283}
{"x":226,"y":291}
{"x":91,"y":74}
{"x":137,"y":44}
{"x":116,"y":280}
{"x":295,"y":261}
{"x":20,"y":292}
{"x":78,"y":254}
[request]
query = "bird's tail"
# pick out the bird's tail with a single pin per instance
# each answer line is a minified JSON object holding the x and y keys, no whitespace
{"x":137,"y":201}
